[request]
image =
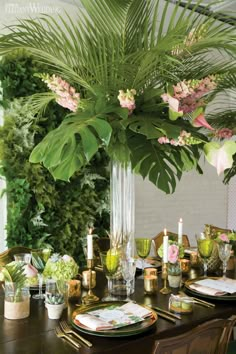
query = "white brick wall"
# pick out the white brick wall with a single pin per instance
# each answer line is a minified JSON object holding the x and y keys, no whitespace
{"x":198,"y":199}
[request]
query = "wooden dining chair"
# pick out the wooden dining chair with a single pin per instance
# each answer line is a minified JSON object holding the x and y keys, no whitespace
{"x":158,"y":239}
{"x":213,"y":230}
{"x":8,"y":255}
{"x":211,"y":337}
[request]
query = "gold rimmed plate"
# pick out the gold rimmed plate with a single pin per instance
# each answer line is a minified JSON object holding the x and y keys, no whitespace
{"x":130,"y":330}
{"x":194,"y":292}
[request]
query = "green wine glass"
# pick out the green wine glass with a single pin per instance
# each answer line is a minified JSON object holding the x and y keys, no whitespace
{"x":110,"y":262}
{"x":143,"y":246}
{"x":205,"y":248}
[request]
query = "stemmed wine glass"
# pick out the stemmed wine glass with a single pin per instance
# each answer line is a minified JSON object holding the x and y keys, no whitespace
{"x":205,"y":248}
{"x":143,"y":246}
{"x":128,"y":268}
{"x":110,"y":263}
{"x":224,"y":254}
{"x":39,"y":264}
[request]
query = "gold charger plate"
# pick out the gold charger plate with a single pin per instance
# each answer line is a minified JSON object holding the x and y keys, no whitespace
{"x":130,"y":330}
{"x":226,"y":297}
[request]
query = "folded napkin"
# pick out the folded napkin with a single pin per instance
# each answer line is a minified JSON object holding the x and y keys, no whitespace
{"x":113,"y":316}
{"x":145,"y":264}
{"x":93,"y":322}
{"x":207,"y":290}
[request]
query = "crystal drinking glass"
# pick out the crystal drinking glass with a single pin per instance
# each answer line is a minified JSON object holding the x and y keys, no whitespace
{"x":39,"y":264}
{"x":110,"y":262}
{"x":224,"y":254}
{"x":128,"y":268}
{"x":143,"y":246}
{"x":205,"y":248}
{"x":23,"y":257}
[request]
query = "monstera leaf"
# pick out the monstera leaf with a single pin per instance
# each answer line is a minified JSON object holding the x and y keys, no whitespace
{"x":152,"y":127}
{"x":67,"y":148}
{"x":163,"y":166}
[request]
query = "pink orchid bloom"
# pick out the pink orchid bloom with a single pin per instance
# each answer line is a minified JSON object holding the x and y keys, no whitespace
{"x":173,"y":253}
{"x":224,"y":238}
{"x":200,"y":121}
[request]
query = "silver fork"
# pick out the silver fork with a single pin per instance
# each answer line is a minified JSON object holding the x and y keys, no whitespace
{"x":61,"y":334}
{"x":67,"y":329}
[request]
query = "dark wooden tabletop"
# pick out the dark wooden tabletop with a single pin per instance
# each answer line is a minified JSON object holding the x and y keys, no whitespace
{"x":35,"y":334}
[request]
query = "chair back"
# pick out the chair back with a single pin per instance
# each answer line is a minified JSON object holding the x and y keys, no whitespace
{"x":158,"y":239}
{"x":211,"y":337}
{"x":8,"y":255}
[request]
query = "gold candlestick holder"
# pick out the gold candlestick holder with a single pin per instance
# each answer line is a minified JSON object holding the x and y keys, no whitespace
{"x":165,"y":290}
{"x":90,"y":297}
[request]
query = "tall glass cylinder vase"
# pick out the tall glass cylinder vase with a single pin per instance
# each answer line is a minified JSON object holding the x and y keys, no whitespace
{"x":122,"y":198}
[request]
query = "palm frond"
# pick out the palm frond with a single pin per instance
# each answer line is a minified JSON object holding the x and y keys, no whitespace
{"x":119,"y":45}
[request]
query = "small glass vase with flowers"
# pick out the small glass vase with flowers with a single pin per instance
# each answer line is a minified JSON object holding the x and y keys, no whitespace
{"x":175,"y":252}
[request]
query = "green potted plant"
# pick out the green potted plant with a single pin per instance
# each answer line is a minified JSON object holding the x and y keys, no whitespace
{"x":17,"y":295}
{"x":54,"y":299}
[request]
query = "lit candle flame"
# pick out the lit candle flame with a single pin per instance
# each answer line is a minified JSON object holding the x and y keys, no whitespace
{"x":180,"y":220}
{"x":90,"y":230}
{"x":165,"y":232}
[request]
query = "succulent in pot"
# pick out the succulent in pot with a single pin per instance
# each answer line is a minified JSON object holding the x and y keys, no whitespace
{"x":54,"y":299}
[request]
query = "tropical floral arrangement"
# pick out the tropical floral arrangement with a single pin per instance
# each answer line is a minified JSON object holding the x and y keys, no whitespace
{"x":142,"y":80}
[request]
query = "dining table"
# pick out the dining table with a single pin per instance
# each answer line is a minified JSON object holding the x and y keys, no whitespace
{"x":36,"y":334}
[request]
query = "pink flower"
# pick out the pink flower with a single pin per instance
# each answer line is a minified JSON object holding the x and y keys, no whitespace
{"x":224,"y":133}
{"x":173,"y":253}
{"x":66,"y":95}
{"x":224,"y":238}
{"x":127,"y":99}
{"x":191,"y":93}
{"x":183,"y":139}
{"x":200,"y":121}
{"x":163,"y":140}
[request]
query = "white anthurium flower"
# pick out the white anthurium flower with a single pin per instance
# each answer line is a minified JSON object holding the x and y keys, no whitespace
{"x":220,"y":156}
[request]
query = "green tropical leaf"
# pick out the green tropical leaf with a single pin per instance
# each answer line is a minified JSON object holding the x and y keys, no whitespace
{"x":14,"y":273}
{"x":120,"y":45}
{"x":67,"y":148}
{"x":152,"y":127}
{"x":38,"y":261}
